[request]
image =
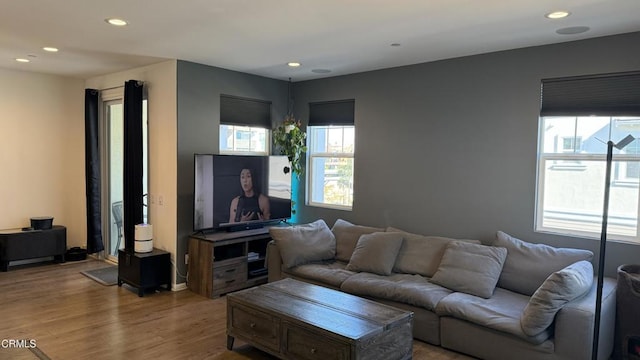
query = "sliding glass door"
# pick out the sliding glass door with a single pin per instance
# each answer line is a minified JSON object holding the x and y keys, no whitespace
{"x":112,"y":174}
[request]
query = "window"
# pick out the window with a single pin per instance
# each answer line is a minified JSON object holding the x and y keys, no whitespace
{"x":571,"y":183}
{"x":244,"y":125}
{"x":243,"y":140}
{"x":331,"y":150}
{"x":578,"y":117}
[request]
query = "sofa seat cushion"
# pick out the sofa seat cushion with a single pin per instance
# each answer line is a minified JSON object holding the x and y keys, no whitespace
{"x":405,"y":288}
{"x":332,"y":273}
{"x":501,"y":312}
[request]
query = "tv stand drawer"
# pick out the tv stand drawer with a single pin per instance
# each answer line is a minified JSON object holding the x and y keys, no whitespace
{"x":230,"y":275}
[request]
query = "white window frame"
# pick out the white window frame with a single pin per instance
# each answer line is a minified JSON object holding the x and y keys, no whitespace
{"x":575,"y":160}
{"x":235,"y":128}
{"x":311,"y":156}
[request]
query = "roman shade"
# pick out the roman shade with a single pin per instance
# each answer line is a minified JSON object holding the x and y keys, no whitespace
{"x":616,"y":94}
{"x":339,"y":112}
{"x":245,"y":112}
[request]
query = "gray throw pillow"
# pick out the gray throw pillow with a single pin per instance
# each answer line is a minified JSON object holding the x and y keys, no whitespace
{"x":347,"y":235}
{"x":303,"y":244}
{"x":558,"y":289}
{"x":420,"y":254}
{"x":528,"y":265}
{"x":375,"y":253}
{"x":470,"y":268}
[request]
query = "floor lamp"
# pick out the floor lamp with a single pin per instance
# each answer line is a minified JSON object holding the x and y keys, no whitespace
{"x":603,"y":240}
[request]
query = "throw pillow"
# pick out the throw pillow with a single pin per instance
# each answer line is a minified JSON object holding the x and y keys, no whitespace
{"x":375,"y":253}
{"x":470,"y":268}
{"x":528,"y":265}
{"x":558,"y":289}
{"x":347,"y":235}
{"x":420,"y":254}
{"x":306,"y":243}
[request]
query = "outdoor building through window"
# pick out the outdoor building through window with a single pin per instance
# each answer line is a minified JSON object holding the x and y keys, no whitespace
{"x":331,"y":149}
{"x":578,"y":117}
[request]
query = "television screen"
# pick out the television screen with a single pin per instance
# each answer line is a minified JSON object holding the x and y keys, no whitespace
{"x":240,"y":191}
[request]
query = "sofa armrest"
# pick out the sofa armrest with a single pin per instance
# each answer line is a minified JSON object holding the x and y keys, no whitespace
{"x":274,"y":262}
{"x":575,"y":321}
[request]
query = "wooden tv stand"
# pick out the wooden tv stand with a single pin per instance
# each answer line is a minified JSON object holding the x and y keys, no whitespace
{"x":222,"y":262}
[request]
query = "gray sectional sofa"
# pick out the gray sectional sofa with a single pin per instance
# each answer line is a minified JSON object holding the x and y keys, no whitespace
{"x":507,"y":300}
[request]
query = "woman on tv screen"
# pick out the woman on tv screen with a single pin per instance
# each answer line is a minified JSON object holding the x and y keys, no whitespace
{"x":251,"y":204}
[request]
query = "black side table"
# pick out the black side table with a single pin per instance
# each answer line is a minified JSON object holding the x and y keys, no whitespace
{"x":144,"y":270}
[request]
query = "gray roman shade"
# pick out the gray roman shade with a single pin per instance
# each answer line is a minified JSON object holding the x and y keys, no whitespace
{"x":615,"y":94}
{"x":236,"y":110}
{"x":339,"y":112}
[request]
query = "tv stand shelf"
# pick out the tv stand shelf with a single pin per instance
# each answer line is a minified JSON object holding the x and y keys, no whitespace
{"x":223,"y":262}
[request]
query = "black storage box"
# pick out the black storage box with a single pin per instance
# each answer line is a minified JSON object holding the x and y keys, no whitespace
{"x":76,"y":254}
{"x":42,"y":222}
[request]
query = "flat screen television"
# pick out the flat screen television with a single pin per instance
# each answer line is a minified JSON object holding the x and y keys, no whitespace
{"x":240,"y":192}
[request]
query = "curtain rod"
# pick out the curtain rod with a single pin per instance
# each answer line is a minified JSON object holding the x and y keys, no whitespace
{"x":120,"y":86}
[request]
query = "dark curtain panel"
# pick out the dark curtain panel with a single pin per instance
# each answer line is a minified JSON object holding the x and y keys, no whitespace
{"x":132,"y":182}
{"x":92,"y":171}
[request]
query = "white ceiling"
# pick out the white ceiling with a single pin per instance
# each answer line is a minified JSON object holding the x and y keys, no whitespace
{"x":260,"y":36}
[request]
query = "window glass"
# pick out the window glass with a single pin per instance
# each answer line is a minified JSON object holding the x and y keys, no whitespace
{"x":243,"y":140}
{"x":571,"y":176}
{"x":330,"y":174}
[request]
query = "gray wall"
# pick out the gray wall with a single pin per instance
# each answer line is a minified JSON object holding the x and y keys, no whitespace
{"x":449,"y":147}
{"x":199,"y":89}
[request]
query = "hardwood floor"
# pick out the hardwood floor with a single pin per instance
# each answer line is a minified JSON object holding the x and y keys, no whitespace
{"x":73,"y":317}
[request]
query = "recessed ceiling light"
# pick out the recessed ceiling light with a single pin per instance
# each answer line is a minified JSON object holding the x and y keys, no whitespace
{"x":573,"y":30}
{"x":50,"y":49}
{"x":557,"y":14}
{"x":116,"y":22}
{"x":23,"y":60}
{"x":293,"y":64}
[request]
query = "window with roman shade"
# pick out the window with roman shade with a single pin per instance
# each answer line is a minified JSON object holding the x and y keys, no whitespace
{"x":331,"y":148}
{"x":244,"y":125}
{"x":578,"y":115}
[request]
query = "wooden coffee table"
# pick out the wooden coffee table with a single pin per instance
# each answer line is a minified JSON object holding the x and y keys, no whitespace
{"x":291,"y":319}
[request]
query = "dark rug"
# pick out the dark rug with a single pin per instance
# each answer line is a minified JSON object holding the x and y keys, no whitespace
{"x":106,"y":276}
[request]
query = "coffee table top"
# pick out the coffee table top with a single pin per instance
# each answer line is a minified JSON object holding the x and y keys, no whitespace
{"x":341,"y":313}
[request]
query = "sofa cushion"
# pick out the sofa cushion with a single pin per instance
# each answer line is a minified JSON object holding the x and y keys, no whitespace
{"x":306,"y":243}
{"x":558,"y":289}
{"x":419,"y":254}
{"x":347,"y":235}
{"x":404,"y":288}
{"x":376,"y":253}
{"x":528,"y":265}
{"x":330,"y":272}
{"x":470,"y":268}
{"x":501,"y":312}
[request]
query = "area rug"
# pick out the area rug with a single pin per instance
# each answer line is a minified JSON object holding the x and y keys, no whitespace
{"x":106,"y":276}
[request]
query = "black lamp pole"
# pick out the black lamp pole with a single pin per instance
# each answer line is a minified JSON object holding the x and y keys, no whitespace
{"x":603,"y":241}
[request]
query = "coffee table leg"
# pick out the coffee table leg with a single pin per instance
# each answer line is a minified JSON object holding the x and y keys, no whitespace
{"x":229,"y":342}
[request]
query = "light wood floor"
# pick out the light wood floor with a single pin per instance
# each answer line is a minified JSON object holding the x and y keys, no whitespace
{"x":73,"y":317}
